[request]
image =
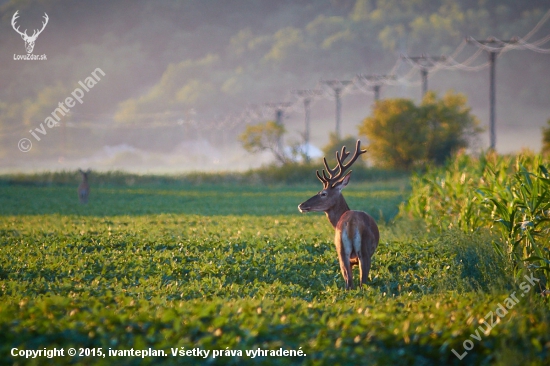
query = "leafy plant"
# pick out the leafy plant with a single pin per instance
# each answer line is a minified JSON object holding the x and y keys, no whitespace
{"x":217,"y":267}
{"x":546,"y":140}
{"x":265,"y":137}
{"x":402,"y":135}
{"x":522,"y":210}
{"x":511,"y":193}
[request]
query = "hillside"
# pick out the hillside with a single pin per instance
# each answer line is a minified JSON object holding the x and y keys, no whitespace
{"x":179,"y":74}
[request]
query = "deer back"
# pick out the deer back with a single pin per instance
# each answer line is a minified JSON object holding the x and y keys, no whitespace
{"x":358,"y":227}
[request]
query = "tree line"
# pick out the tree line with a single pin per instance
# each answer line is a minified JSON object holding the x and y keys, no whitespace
{"x":399,"y":133}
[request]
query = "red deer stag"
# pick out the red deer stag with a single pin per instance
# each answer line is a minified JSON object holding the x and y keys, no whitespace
{"x":357,"y":234}
{"x":84,"y":187}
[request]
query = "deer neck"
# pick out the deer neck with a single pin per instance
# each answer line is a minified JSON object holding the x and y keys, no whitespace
{"x":337,"y":210}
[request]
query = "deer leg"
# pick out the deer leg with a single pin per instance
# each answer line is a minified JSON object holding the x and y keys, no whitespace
{"x":365,"y":257}
{"x":344,"y":248}
{"x":345,"y":268}
{"x":364,"y":269}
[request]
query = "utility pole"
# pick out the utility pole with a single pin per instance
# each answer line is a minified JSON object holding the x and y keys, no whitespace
{"x":493,"y":47}
{"x":375,"y":81}
{"x":425,"y":63}
{"x":307,"y":95}
{"x":279,"y":109}
{"x":337,"y":86}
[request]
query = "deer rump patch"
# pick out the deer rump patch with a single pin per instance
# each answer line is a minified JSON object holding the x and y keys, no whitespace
{"x":351,"y":244}
{"x":349,"y":236}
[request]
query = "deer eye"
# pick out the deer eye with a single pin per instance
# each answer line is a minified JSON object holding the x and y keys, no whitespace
{"x":323,"y":194}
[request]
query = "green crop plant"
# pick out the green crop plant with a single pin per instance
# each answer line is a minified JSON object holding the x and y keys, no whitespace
{"x":521,"y":208}
{"x":508,"y":193}
{"x":175,"y":266}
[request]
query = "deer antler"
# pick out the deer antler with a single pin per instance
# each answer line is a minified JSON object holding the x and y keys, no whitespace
{"x":35,"y":34}
{"x":13,"y":20}
{"x":335,"y":174}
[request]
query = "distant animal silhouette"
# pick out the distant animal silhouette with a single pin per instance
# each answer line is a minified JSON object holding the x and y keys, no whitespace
{"x":84,"y":187}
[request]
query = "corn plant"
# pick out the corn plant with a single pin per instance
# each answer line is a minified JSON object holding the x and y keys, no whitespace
{"x":507,"y":193}
{"x":521,"y":209}
{"x":448,"y":197}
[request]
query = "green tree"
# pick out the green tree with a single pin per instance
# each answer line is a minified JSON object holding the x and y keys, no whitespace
{"x":402,"y":135}
{"x":264,"y":137}
{"x":394,"y":132}
{"x":546,"y":140}
{"x":335,"y":144}
{"x":450,"y":125}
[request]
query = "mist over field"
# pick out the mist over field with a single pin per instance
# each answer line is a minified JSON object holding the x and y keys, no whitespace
{"x":182,"y":79}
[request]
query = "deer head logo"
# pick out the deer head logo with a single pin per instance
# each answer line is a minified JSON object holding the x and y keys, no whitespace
{"x":29,"y":40}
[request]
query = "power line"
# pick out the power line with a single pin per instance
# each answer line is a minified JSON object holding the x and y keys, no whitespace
{"x":537,"y":27}
{"x":424,"y":63}
{"x":375,"y":81}
{"x":493,"y":46}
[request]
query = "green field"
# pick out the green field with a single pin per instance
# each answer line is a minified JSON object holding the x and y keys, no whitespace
{"x":235,"y":268}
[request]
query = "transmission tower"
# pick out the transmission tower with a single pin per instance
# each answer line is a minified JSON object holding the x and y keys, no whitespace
{"x":493,"y":47}
{"x":425,"y":63}
{"x":307,"y":95}
{"x":337,"y":86}
{"x":279,"y":109}
{"x":375,"y":81}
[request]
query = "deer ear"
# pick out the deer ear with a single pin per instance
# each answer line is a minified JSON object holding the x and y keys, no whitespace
{"x":343,"y":182}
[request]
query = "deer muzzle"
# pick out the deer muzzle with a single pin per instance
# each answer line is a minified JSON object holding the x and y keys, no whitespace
{"x":303,"y":208}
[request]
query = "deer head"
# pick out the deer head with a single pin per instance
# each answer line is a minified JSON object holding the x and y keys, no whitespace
{"x":333,"y":183}
{"x":84,"y":173}
{"x":29,"y":40}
